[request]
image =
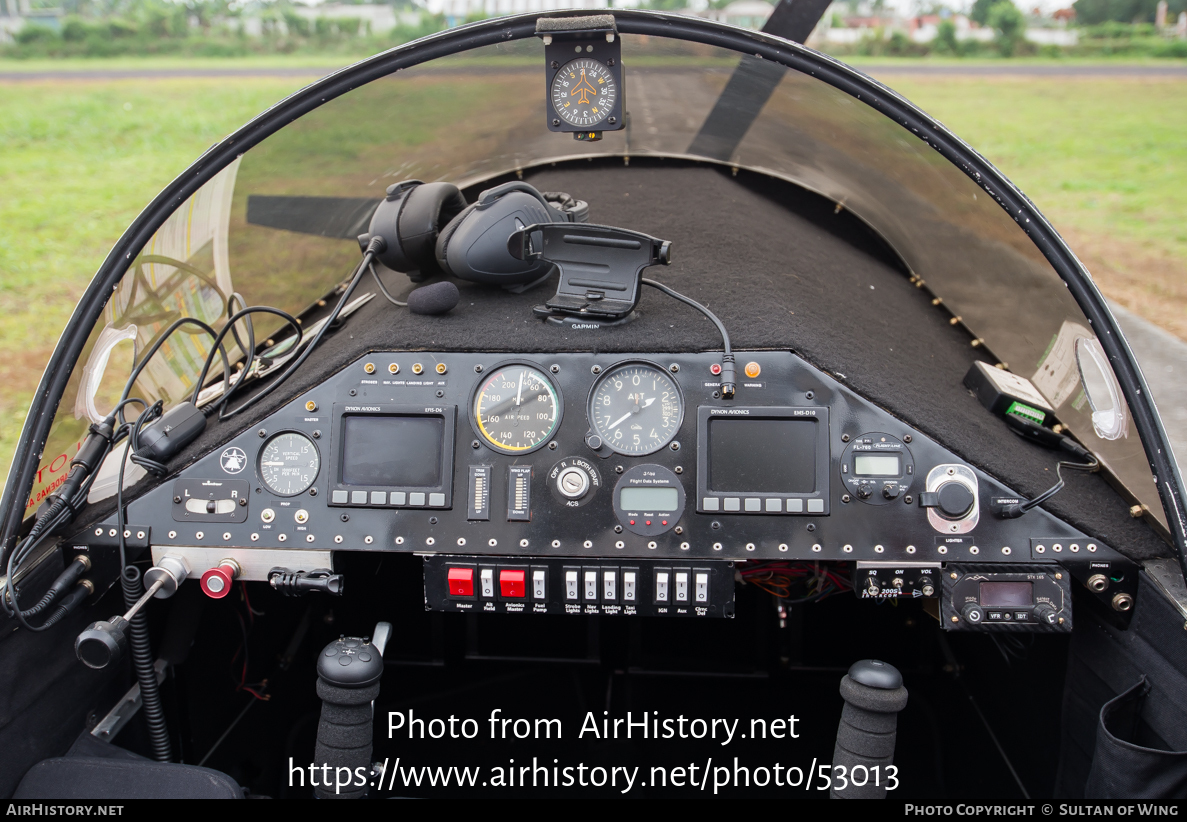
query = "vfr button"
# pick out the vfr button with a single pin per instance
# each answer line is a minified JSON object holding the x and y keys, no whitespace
{"x":512,"y":584}
{"x":461,"y":582}
{"x":486,"y":582}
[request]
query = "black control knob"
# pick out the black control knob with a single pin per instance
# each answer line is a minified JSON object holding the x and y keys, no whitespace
{"x":1045,"y":614}
{"x":973,"y":614}
{"x":864,"y":492}
{"x":955,"y":500}
{"x":890,"y":490}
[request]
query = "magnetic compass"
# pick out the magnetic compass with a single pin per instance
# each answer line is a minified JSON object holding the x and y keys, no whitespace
{"x":583,"y":76}
{"x":584,"y":93}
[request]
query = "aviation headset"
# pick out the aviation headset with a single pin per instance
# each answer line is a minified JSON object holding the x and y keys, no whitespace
{"x":429,"y":229}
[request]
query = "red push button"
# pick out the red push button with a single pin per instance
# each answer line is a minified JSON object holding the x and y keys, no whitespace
{"x":461,"y":582}
{"x":216,"y":582}
{"x":513,"y":584}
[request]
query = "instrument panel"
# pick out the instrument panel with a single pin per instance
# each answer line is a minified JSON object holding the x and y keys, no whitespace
{"x":609,"y":457}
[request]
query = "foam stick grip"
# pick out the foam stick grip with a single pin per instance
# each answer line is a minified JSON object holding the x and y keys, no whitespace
{"x":344,"y":737}
{"x":865,"y":739}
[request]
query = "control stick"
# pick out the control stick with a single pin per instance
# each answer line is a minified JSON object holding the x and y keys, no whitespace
{"x":874,"y":694}
{"x":348,"y":674}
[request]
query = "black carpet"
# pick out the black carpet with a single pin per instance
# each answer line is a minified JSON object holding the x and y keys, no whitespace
{"x":782,"y":270}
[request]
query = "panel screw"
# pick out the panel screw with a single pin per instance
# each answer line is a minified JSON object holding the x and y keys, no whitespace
{"x":610,"y":62}
{"x":440,"y":394}
{"x":845,"y":498}
{"x":555,"y":369}
{"x":844,"y":438}
{"x":346,"y":517}
{"x":675,"y":446}
{"x":474,"y":444}
{"x":555,"y":64}
{"x":618,"y":469}
{"x":811,"y":526}
{"x":262,"y":433}
{"x":674,"y":368}
{"x":556,"y":122}
{"x":907,"y":499}
{"x":679,"y":469}
{"x":552,"y":446}
{"x":618,"y":529}
{"x":432,"y":520}
{"x":353,"y":393}
{"x":243,"y":502}
{"x":907,"y":438}
{"x":809,"y":395}
{"x":679,"y":530}
{"x":312,"y":493}
{"x":317,"y":435}
{"x":177,"y":499}
{"x":478,"y":368}
{"x":715,"y":525}
{"x":597,"y":369}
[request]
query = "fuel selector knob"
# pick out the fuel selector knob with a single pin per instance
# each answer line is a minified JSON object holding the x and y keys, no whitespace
{"x":572,"y":482}
{"x":955,"y":500}
{"x":1045,"y":614}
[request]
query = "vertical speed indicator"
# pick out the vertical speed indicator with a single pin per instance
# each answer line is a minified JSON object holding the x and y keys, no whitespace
{"x":636,"y":408}
{"x":516,"y":409}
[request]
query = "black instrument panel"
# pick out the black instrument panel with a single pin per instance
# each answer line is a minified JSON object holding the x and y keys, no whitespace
{"x":795,"y":467}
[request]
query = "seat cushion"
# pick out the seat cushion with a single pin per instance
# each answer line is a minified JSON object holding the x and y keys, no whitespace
{"x":88,"y":777}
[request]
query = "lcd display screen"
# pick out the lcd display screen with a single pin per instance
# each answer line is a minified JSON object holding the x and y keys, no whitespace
{"x":757,"y":456}
{"x":392,"y":451}
{"x":877,"y":465}
{"x":1006,"y":594}
{"x":648,"y":499}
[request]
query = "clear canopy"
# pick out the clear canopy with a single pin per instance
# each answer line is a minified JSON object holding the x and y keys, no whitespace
{"x":475,"y":115}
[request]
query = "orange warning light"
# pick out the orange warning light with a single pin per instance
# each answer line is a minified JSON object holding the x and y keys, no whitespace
{"x":752,"y":370}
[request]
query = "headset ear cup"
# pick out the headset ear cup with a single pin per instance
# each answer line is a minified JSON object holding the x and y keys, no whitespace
{"x":426,"y":209}
{"x":442,"y":246}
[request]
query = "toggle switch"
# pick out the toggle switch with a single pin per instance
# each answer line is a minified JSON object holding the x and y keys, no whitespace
{"x":629,"y":585}
{"x":662,"y":586}
{"x":591,"y":585}
{"x":610,"y":585}
{"x":572,"y":589}
{"x":486,"y":582}
{"x":701,"y":581}
{"x":461,"y":582}
{"x":681,"y":586}
{"x":539,"y":577}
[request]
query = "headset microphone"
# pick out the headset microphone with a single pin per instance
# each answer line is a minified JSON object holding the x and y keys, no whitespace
{"x":434,"y":299}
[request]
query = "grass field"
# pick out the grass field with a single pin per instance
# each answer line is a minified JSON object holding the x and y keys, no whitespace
{"x":1104,"y":158}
